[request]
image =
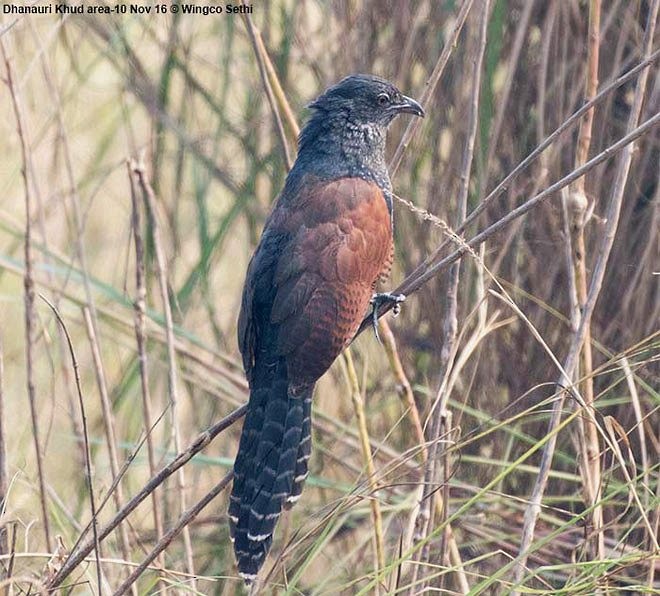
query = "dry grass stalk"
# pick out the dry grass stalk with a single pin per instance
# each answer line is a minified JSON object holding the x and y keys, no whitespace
{"x":262,"y":60}
{"x":361,"y":419}
{"x":184,"y":522}
{"x":41,"y":220}
{"x":29,"y":292}
{"x":474,"y":58}
{"x":431,"y":84}
{"x":108,"y":427}
{"x":85,"y":437}
{"x":78,"y":555}
{"x":404,"y":388}
{"x":503,"y":101}
{"x":172,"y":377}
{"x":275,"y":93}
{"x":577,"y":211}
{"x":612,"y":218}
{"x":141,"y":344}
{"x":639,"y":419}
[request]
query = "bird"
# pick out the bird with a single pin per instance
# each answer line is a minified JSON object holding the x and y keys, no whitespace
{"x":326,"y":244}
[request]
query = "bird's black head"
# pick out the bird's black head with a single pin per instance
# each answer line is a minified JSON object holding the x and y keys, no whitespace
{"x":366,"y":100}
{"x":347,"y":131}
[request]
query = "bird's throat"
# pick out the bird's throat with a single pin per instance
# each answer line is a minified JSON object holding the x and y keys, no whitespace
{"x":338,"y":147}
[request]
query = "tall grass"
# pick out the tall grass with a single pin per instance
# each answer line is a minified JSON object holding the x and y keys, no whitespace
{"x":493,"y":454}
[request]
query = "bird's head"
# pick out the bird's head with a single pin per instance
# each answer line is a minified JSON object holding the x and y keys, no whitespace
{"x":366,"y":100}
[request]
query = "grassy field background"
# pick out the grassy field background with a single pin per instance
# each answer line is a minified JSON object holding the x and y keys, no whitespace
{"x":505,"y":439}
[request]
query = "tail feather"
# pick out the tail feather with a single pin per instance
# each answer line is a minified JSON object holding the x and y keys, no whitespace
{"x":266,"y":465}
{"x":246,"y":454}
{"x":304,"y":453}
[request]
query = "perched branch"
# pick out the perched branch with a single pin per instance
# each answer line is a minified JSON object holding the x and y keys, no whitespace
{"x":413,"y":282}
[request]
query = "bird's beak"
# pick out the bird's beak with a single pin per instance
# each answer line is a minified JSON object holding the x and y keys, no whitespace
{"x":409,"y":106}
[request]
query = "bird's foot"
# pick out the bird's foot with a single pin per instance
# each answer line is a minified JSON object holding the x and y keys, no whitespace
{"x":378,"y":300}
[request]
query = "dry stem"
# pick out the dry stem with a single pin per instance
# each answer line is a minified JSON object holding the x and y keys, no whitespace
{"x":262,"y":59}
{"x":78,"y":555}
{"x":431,"y":84}
{"x":140,"y":328}
{"x":108,"y":425}
{"x":185,"y":519}
{"x":358,"y":406}
{"x":577,"y":206}
{"x":173,"y":391}
{"x":29,"y":298}
{"x":612,"y":219}
{"x":85,"y":437}
{"x":450,"y":324}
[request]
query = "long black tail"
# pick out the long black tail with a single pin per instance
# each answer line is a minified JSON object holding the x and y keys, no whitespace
{"x":271,"y":465}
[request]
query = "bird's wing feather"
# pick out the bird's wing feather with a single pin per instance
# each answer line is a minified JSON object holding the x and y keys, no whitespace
{"x":340,"y":241}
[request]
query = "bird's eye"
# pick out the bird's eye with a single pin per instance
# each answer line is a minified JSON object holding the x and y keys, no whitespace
{"x":383,"y":99}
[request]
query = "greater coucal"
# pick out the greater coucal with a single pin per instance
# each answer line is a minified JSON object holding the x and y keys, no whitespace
{"x":309,"y":285}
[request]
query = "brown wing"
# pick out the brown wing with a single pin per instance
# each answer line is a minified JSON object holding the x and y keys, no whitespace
{"x":340,"y":240}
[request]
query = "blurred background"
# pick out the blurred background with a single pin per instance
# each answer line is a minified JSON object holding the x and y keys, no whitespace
{"x":183,"y":95}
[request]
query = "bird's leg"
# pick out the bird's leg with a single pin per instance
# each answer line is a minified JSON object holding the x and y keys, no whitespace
{"x":378,"y":300}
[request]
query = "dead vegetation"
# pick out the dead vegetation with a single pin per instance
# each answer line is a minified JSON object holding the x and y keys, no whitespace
{"x":508,"y":428}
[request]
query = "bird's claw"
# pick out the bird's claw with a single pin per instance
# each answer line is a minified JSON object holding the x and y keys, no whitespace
{"x":378,"y":300}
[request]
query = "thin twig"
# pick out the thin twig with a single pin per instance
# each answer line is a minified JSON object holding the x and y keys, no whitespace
{"x":274,"y":80}
{"x":185,"y":519}
{"x":79,"y":554}
{"x":161,"y":270}
{"x":404,"y":389}
{"x":108,"y":424}
{"x":503,"y":96}
{"x":431,"y":84}
{"x":258,"y":48}
{"x":29,"y":298}
{"x":88,"y":455}
{"x":639,"y":419}
{"x":140,"y":327}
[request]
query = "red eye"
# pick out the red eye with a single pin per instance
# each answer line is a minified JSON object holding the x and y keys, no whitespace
{"x":383,"y":99}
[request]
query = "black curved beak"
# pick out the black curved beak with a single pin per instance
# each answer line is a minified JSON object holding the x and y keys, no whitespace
{"x":409,"y":106}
